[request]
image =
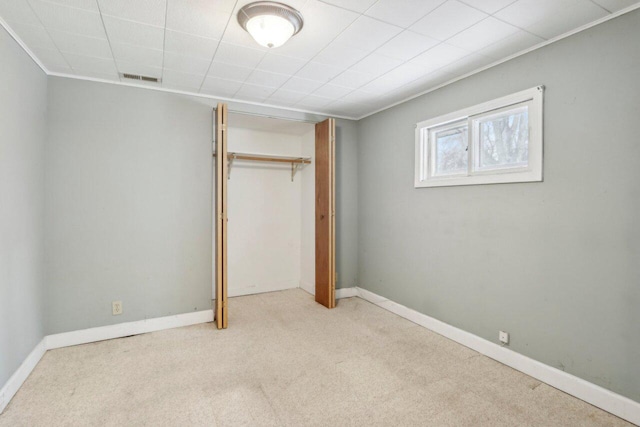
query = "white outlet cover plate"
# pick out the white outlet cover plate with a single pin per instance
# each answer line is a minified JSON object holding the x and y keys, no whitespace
{"x":116,"y":307}
{"x":504,"y":337}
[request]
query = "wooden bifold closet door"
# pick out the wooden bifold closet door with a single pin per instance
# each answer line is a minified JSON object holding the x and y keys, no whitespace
{"x":325,"y":213}
{"x":221,"y":216}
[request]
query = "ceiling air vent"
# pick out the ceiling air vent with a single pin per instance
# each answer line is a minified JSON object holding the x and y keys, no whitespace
{"x":141,"y":78}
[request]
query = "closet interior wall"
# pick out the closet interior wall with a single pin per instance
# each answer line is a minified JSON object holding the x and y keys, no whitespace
{"x":271,"y":218}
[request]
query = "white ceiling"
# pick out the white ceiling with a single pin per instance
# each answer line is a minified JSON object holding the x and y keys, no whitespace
{"x":351,"y":58}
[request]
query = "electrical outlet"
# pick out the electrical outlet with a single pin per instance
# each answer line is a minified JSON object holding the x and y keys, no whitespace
{"x":503,"y":337}
{"x":116,"y":307}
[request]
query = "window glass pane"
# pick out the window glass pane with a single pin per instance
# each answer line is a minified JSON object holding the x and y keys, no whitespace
{"x":450,"y":150}
{"x":504,"y":140}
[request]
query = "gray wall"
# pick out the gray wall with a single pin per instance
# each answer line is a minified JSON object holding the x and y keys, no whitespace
{"x":556,"y":263}
{"x":23,"y":92}
{"x":129,"y":186}
{"x":346,"y":203}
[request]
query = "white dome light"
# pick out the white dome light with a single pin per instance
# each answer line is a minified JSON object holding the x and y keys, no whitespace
{"x":271,"y":24}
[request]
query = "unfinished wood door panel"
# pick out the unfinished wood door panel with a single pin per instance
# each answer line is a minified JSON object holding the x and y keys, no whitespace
{"x":325,"y":213}
{"x":221,"y":216}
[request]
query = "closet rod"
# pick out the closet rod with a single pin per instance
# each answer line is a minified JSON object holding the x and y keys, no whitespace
{"x":296,"y":162}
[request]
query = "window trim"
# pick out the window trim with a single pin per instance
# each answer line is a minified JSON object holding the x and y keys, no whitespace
{"x":532,"y":173}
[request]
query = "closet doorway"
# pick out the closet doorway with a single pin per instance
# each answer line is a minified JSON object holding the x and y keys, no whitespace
{"x":274,"y":207}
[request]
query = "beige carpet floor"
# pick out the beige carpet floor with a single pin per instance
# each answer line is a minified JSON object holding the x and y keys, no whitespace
{"x":287,"y":361}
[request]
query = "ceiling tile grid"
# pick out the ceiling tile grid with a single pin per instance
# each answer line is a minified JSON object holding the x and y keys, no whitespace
{"x":351,"y":58}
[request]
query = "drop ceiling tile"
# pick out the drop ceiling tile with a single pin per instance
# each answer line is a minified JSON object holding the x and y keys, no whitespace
{"x":367,"y":33}
{"x":229,"y":72}
{"x":238,"y":55}
{"x":35,"y":36}
{"x":78,"y":4}
{"x":616,"y":5}
{"x":265,"y":78}
{"x":137,"y":54}
{"x":381,"y":85}
{"x":301,"y":85}
{"x":186,"y":64}
{"x":199,"y":17}
{"x":79,"y":45}
{"x":376,"y":64}
{"x":19,"y":12}
{"x":189,"y":45}
{"x":358,"y":96}
{"x":138,"y":68}
{"x":355,"y":5}
{"x":313,"y":102}
{"x":406,"y":14}
{"x":182,"y":80}
{"x":400,"y":76}
{"x":151,"y":12}
{"x":287,"y":96}
{"x":426,"y":82}
{"x":340,"y":55}
{"x":332,"y":91}
{"x":134,"y":33}
{"x":467,"y":64}
{"x":227,"y":6}
{"x":325,"y":21}
{"x":482,"y":34}
{"x":407,"y":45}
{"x":319,"y":72}
{"x":406,"y":73}
{"x":72,"y":20}
{"x":87,"y":64}
{"x":488,"y":6}
{"x":448,"y":20}
{"x":280,"y":64}
{"x":220,"y":87}
{"x":517,"y":42}
{"x":52,"y":59}
{"x":438,"y":57}
{"x":550,"y":18}
{"x":254,"y":92}
{"x":353,"y":79}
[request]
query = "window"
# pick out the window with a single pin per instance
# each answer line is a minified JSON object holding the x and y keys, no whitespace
{"x":495,"y":142}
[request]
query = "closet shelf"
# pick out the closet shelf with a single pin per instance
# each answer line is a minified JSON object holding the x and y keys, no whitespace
{"x":296,"y":162}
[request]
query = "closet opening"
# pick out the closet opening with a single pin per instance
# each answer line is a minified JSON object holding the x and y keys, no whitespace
{"x":274,"y":208}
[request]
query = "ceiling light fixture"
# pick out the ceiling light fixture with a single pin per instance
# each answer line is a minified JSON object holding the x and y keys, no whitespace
{"x":270,"y":23}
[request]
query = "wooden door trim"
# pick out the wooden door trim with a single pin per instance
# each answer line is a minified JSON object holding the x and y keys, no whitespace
{"x":221,"y":216}
{"x":325,"y":213}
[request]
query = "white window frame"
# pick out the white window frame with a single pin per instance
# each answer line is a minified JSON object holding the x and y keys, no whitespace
{"x":425,"y":151}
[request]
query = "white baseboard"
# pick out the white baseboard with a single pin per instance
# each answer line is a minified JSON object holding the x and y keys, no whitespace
{"x":614,"y":403}
{"x":20,"y":375}
{"x":346,"y":292}
{"x":126,"y":329}
{"x":340,"y":292}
